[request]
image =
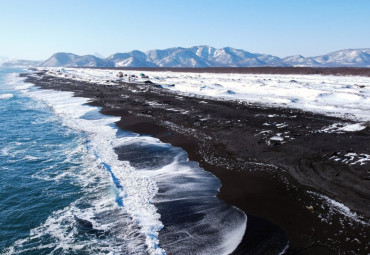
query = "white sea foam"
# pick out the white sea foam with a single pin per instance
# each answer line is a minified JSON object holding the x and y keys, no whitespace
{"x":6,"y":96}
{"x":30,"y":158}
{"x":16,"y":82}
{"x":62,"y":227}
{"x":284,"y":250}
{"x":13,"y":78}
{"x":234,"y":237}
{"x":185,"y":182}
{"x":4,"y":151}
{"x":13,"y":149}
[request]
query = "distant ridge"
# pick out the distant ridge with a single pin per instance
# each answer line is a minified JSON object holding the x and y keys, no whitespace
{"x":21,"y":62}
{"x":206,"y":56}
{"x":73,"y":60}
{"x":3,"y":59}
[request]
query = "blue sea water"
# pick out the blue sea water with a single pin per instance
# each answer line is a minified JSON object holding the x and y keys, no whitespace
{"x":55,"y":195}
{"x":71,"y":182}
{"x":32,"y":142}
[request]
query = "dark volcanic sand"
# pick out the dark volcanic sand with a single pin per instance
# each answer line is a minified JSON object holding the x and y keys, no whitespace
{"x":265,"y":180}
{"x":259,"y":70}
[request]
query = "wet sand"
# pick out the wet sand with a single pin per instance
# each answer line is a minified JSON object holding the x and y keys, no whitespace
{"x":267,"y":180}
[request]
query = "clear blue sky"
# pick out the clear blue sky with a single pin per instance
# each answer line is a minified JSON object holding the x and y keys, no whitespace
{"x":35,"y":29}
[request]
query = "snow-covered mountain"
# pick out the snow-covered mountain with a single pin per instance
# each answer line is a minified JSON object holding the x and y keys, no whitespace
{"x":206,"y":56}
{"x":133,"y":58}
{"x":60,"y":59}
{"x":175,"y":57}
{"x":234,"y":57}
{"x":197,"y":56}
{"x":73,"y":60}
{"x":341,"y":58}
{"x":3,"y":59}
{"x":98,"y":55}
{"x":299,"y":60}
{"x":350,"y":57}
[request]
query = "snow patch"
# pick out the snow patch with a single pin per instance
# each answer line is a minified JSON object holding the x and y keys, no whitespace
{"x":340,"y":96}
{"x":337,"y":207}
{"x":343,"y":127}
{"x":352,"y":158}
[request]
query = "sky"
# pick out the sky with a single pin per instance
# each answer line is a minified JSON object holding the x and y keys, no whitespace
{"x":39,"y":28}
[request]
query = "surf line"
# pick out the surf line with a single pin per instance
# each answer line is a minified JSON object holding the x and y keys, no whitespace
{"x":119,"y":201}
{"x":117,"y":184}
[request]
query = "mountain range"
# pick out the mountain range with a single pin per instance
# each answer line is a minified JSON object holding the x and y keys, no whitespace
{"x":205,"y":56}
{"x":3,"y":59}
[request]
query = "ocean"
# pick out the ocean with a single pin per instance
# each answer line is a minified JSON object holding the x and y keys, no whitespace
{"x":71,"y":182}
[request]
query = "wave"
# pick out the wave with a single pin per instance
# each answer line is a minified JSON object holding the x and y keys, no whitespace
{"x":6,"y":96}
{"x":195,"y":220}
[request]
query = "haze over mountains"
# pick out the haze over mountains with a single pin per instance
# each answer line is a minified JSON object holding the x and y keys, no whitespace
{"x":206,"y":56}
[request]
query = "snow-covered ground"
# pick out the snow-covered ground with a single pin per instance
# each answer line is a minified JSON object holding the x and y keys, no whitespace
{"x":343,"y":96}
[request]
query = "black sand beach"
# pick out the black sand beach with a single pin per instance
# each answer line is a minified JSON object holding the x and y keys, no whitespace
{"x":342,"y":71}
{"x":266,"y":179}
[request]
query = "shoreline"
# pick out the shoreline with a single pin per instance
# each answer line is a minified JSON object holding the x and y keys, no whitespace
{"x":276,"y":193}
